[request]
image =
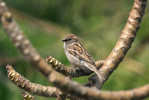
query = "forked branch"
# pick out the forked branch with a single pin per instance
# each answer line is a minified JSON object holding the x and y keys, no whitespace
{"x":66,"y":85}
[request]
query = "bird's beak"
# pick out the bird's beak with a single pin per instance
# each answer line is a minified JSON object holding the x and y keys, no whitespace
{"x":63,"y":40}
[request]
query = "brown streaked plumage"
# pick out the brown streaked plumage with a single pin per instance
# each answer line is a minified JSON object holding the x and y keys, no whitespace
{"x":77,"y":54}
{"x":81,"y":53}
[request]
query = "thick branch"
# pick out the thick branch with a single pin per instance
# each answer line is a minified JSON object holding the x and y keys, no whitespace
{"x":20,"y":41}
{"x":73,"y":88}
{"x":25,"y":47}
{"x":125,"y":40}
{"x":34,"y":88}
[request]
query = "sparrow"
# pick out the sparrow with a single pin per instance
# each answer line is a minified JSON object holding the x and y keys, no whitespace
{"x":77,"y":55}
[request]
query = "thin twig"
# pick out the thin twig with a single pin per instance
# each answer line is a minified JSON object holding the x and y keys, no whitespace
{"x":27,"y":96}
{"x":69,"y":71}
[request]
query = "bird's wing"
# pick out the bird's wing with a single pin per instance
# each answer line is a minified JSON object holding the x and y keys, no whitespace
{"x":81,"y":53}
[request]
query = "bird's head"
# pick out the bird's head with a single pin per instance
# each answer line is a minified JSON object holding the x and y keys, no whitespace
{"x":70,"y":38}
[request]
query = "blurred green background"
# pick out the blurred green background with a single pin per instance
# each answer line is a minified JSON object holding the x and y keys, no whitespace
{"x":98,"y":23}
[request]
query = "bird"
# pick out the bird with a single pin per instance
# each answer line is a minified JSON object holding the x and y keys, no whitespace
{"x":77,"y":55}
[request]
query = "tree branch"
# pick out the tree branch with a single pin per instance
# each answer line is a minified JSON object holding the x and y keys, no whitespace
{"x":125,"y":40}
{"x":73,"y":88}
{"x":34,"y":88}
{"x":74,"y":72}
{"x":69,"y":71}
{"x":118,"y":52}
{"x":20,"y":41}
{"x":66,"y":85}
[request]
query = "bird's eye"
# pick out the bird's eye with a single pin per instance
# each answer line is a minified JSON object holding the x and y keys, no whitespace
{"x":68,"y":39}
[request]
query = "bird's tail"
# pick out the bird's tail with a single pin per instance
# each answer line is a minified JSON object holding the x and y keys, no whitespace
{"x":93,"y":68}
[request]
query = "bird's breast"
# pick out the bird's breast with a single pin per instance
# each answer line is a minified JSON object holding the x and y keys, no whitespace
{"x":73,"y":60}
